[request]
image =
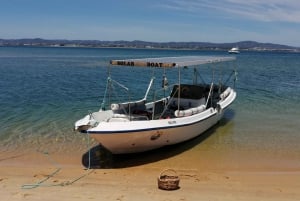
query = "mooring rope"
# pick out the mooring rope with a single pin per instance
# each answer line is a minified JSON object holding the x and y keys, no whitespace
{"x":58,"y":168}
{"x":105,"y":93}
{"x":65,"y":183}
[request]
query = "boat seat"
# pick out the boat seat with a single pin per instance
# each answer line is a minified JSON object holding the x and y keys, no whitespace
{"x":187,"y":103}
{"x":126,"y":118}
{"x":190,"y":111}
{"x":118,"y":119}
{"x":124,"y":108}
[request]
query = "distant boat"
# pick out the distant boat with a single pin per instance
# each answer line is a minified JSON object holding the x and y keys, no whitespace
{"x":137,"y":126}
{"x":234,"y":50}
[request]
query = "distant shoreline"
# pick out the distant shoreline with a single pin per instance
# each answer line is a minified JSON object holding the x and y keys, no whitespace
{"x":243,"y":45}
{"x":187,"y":49}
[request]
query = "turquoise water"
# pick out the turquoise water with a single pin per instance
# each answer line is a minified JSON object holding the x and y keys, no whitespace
{"x":43,"y":91}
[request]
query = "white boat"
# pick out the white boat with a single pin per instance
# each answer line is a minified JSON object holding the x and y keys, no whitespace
{"x":234,"y":50}
{"x":142,"y":125}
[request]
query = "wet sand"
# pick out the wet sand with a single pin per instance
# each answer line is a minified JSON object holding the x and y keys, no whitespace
{"x":216,"y":174}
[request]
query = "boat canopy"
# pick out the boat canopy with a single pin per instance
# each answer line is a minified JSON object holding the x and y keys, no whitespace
{"x":171,"y":61}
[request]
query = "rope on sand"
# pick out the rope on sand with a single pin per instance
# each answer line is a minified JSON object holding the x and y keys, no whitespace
{"x":65,"y":183}
{"x":58,"y":168}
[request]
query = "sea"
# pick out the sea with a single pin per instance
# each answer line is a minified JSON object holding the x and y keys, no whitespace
{"x":44,"y":90}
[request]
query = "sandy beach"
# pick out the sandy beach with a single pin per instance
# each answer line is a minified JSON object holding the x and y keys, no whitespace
{"x":252,"y":154}
{"x":60,"y":176}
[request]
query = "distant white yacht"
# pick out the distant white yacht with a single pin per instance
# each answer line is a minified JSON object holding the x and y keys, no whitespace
{"x":234,"y":50}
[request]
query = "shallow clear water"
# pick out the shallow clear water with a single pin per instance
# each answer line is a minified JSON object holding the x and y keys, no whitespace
{"x":43,"y":91}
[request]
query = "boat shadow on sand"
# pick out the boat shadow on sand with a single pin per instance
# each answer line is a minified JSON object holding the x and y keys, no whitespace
{"x":100,"y":158}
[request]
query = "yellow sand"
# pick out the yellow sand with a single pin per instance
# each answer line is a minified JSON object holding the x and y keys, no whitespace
{"x":211,"y":176}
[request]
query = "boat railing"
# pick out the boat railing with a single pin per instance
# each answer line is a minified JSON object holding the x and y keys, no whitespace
{"x":129,"y":106}
{"x":160,"y":105}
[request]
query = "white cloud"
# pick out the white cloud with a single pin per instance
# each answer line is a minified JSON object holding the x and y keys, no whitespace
{"x":267,"y":10}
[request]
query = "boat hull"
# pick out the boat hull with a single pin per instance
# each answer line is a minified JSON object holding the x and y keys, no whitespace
{"x":148,"y":135}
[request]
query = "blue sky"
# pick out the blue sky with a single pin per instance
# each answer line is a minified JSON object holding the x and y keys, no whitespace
{"x":274,"y":21}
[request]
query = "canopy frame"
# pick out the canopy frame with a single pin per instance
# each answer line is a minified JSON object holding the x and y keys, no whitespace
{"x":171,"y":62}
